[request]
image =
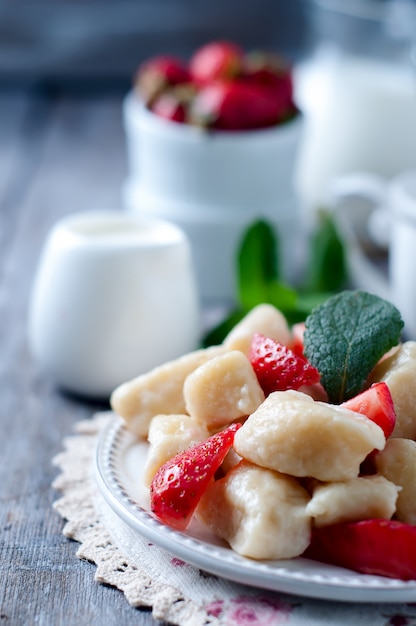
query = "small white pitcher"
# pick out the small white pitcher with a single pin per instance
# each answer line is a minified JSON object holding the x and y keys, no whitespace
{"x":113,"y":297}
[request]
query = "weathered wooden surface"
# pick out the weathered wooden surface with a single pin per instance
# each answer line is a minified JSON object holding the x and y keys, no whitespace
{"x":58,"y":153}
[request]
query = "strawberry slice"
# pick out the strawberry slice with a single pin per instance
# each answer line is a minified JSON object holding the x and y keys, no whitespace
{"x":377,"y":404}
{"x":179,"y":484}
{"x":277,"y":367}
{"x":298,"y":331}
{"x":375,"y":546}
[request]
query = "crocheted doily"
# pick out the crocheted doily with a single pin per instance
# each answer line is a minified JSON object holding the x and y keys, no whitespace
{"x":179,"y":593}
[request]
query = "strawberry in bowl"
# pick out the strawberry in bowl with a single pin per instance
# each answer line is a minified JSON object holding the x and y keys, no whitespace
{"x":222,"y":88}
{"x":216,"y":60}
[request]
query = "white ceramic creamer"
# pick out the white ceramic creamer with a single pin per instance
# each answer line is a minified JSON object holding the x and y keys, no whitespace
{"x":113,"y":297}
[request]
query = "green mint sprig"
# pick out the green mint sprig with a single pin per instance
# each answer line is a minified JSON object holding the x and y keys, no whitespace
{"x":326,"y":271}
{"x":259,"y":278}
{"x":346,"y":336}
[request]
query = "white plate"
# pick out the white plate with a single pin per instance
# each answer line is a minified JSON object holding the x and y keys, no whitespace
{"x":119,"y":462}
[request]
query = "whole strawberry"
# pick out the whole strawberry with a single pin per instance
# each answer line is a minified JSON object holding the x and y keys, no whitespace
{"x":217,"y":59}
{"x":274,"y":75}
{"x":172,"y":104}
{"x":178,"y":485}
{"x":232,"y":105}
{"x":158,"y":73}
{"x":170,"y":108}
{"x":277,"y":367}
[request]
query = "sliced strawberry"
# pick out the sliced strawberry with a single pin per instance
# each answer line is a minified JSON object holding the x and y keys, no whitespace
{"x":375,"y":546}
{"x":277,"y":367}
{"x":179,"y":484}
{"x":214,"y":60}
{"x":298,"y":331}
{"x":377,"y":404}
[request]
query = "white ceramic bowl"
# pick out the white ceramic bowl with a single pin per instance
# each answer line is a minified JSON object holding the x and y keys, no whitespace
{"x":212,"y":184}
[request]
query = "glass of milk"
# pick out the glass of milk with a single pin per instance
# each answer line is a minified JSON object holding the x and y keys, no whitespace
{"x":358,"y":91}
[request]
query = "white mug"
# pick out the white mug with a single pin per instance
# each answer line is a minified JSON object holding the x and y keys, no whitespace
{"x":113,"y":297}
{"x":391,"y":224}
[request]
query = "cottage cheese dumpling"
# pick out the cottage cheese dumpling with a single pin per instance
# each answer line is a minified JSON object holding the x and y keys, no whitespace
{"x":222,"y":390}
{"x":265,"y":319}
{"x":293,"y":434}
{"x":261,"y":513}
{"x":397,"y":462}
{"x":168,"y":435}
{"x":158,"y":391}
{"x":398,"y":371}
{"x":360,"y":498}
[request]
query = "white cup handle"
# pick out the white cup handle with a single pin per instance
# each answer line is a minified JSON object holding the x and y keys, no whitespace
{"x":372,"y":188}
{"x":355,"y":221}
{"x":362,"y":184}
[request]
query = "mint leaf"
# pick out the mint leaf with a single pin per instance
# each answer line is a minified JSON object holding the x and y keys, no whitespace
{"x":306,"y":302}
{"x":259,"y":280}
{"x":281,"y":296}
{"x":257,"y":264}
{"x":326,"y":270}
{"x":346,"y":336}
{"x":258,"y":274}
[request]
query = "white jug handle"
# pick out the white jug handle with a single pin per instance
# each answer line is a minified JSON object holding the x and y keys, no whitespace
{"x":359,"y":184}
{"x":372,"y":188}
{"x":354,"y":221}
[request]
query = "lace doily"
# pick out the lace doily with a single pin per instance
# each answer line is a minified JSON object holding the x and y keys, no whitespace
{"x":179,"y":593}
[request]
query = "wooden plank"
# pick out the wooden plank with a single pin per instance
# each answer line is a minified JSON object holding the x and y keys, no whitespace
{"x":73,"y":158}
{"x":23,"y":116}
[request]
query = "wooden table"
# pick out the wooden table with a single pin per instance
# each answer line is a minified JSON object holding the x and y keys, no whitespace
{"x":58,"y":153}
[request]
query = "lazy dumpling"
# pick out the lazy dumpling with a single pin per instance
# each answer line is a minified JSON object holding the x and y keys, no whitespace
{"x":259,"y":512}
{"x":293,"y":434}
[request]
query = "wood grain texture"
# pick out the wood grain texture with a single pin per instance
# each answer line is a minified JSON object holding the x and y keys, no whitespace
{"x":57,"y":154}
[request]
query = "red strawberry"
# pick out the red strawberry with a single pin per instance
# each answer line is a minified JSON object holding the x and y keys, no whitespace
{"x":173,"y":103}
{"x":179,"y":484}
{"x":218,"y":59}
{"x":168,"y":106}
{"x":298,"y":330}
{"x":154,"y":75}
{"x":277,"y":367}
{"x":232,"y":105}
{"x":375,"y":546}
{"x":274,"y":75}
{"x":377,"y":404}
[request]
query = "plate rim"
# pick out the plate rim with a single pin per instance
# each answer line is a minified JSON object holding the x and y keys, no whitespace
{"x":223,"y":561}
